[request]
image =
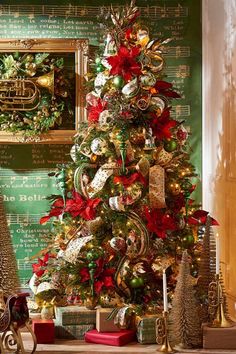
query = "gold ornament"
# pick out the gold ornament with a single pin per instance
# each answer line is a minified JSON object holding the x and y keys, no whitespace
{"x":90,"y":302}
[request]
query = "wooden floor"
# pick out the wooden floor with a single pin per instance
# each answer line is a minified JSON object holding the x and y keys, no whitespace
{"x":78,"y":346}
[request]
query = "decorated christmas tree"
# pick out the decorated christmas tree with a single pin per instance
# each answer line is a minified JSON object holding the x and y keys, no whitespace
{"x":124,"y":209}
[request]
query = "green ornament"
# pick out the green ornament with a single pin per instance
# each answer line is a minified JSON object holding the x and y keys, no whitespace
{"x":98,"y":60}
{"x":137,"y":282}
{"x":187,"y":241}
{"x":100,"y":68}
{"x":92,"y":255}
{"x":170,"y":145}
{"x":186,"y":185}
{"x":92,"y":265}
{"x":118,"y":81}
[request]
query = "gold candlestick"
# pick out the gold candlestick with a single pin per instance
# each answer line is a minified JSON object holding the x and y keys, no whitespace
{"x":162,"y":334}
{"x":216,"y":305}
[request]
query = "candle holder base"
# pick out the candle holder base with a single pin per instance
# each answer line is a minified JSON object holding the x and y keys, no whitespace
{"x":162,"y":334}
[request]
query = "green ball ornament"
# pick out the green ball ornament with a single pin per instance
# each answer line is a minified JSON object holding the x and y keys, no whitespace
{"x":98,"y":60}
{"x":100,"y":68}
{"x":187,"y":241}
{"x":92,"y":255}
{"x":186,"y":185}
{"x":92,"y":265}
{"x":170,"y":145}
{"x":136,"y":283}
{"x":118,"y":82}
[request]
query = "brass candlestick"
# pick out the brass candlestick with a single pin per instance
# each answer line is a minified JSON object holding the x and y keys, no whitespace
{"x":216,"y":305}
{"x":162,"y":334}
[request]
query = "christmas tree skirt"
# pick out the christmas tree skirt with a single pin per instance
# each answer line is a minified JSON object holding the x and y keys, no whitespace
{"x":219,"y":338}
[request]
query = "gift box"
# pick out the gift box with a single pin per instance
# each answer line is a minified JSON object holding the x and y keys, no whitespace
{"x":102,"y":322}
{"x":44,"y":331}
{"x":146,"y":329}
{"x":219,"y":338}
{"x":71,"y":331}
{"x":110,"y":338}
{"x":75,"y":315}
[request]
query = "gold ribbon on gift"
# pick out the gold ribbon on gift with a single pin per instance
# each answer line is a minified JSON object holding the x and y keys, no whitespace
{"x":157,"y":187}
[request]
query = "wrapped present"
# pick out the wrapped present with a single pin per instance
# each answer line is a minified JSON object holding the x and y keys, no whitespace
{"x":146,"y":329}
{"x":75,"y":315}
{"x":102,"y":322}
{"x":111,"y":338}
{"x":71,"y":331}
{"x":44,"y":331}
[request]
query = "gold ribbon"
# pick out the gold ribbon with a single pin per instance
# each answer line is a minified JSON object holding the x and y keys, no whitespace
{"x":157,"y":187}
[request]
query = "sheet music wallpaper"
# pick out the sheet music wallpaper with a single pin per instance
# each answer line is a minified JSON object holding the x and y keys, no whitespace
{"x":176,"y":19}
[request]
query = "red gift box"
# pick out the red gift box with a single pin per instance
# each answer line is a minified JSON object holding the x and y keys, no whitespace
{"x":110,"y":338}
{"x":44,"y":331}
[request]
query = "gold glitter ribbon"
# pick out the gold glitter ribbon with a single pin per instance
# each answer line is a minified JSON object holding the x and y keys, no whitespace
{"x":157,"y":187}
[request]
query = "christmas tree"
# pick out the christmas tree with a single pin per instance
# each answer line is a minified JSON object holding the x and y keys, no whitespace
{"x":184,"y":316}
{"x":124,"y":211}
{"x":9,"y":281}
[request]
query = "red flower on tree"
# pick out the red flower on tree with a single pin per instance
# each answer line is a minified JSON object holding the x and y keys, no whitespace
{"x":94,"y":111}
{"x":159,"y":222}
{"x":39,"y":268}
{"x":125,"y":63}
{"x":165,"y":88}
{"x":162,"y":125}
{"x":75,"y":206}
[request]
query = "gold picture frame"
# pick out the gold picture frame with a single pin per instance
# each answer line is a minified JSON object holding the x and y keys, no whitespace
{"x":80,"y":49}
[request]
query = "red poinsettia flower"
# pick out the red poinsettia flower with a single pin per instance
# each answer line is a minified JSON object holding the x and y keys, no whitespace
{"x":75,"y":206}
{"x":159,"y":222}
{"x":95,"y":110}
{"x":162,"y":125}
{"x":125,"y":63}
{"x":39,"y":268}
{"x":102,"y":277}
{"x":165,"y":88}
{"x":128,"y":181}
{"x":200,"y":217}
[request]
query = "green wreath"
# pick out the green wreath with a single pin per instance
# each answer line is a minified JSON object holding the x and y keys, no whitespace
{"x":26,"y":105}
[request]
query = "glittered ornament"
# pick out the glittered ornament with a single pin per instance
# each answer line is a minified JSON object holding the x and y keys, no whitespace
{"x":98,"y":146}
{"x":182,"y":134}
{"x":137,"y":136}
{"x":100,"y":68}
{"x":147,"y":80}
{"x":131,"y":89}
{"x":104,"y":117}
{"x":170,"y":145}
{"x":91,"y":99}
{"x":118,"y":243}
{"x":118,"y":82}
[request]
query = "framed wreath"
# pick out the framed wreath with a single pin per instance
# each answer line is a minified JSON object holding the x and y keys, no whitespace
{"x":41,"y":88}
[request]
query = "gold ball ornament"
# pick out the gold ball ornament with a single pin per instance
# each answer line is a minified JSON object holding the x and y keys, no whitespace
{"x":137,"y":136}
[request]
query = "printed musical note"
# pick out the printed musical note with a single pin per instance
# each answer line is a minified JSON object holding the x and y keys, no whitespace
{"x":181,"y":71}
{"x":23,"y":219}
{"x":180,"y":111}
{"x":23,"y":264}
{"x":177,"y":52}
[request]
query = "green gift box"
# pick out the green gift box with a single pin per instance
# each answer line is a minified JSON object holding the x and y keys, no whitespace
{"x":71,"y":331}
{"x":75,"y":315}
{"x":146,"y":329}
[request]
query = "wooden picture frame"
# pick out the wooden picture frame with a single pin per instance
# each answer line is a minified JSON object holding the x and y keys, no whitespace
{"x":80,"y":49}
